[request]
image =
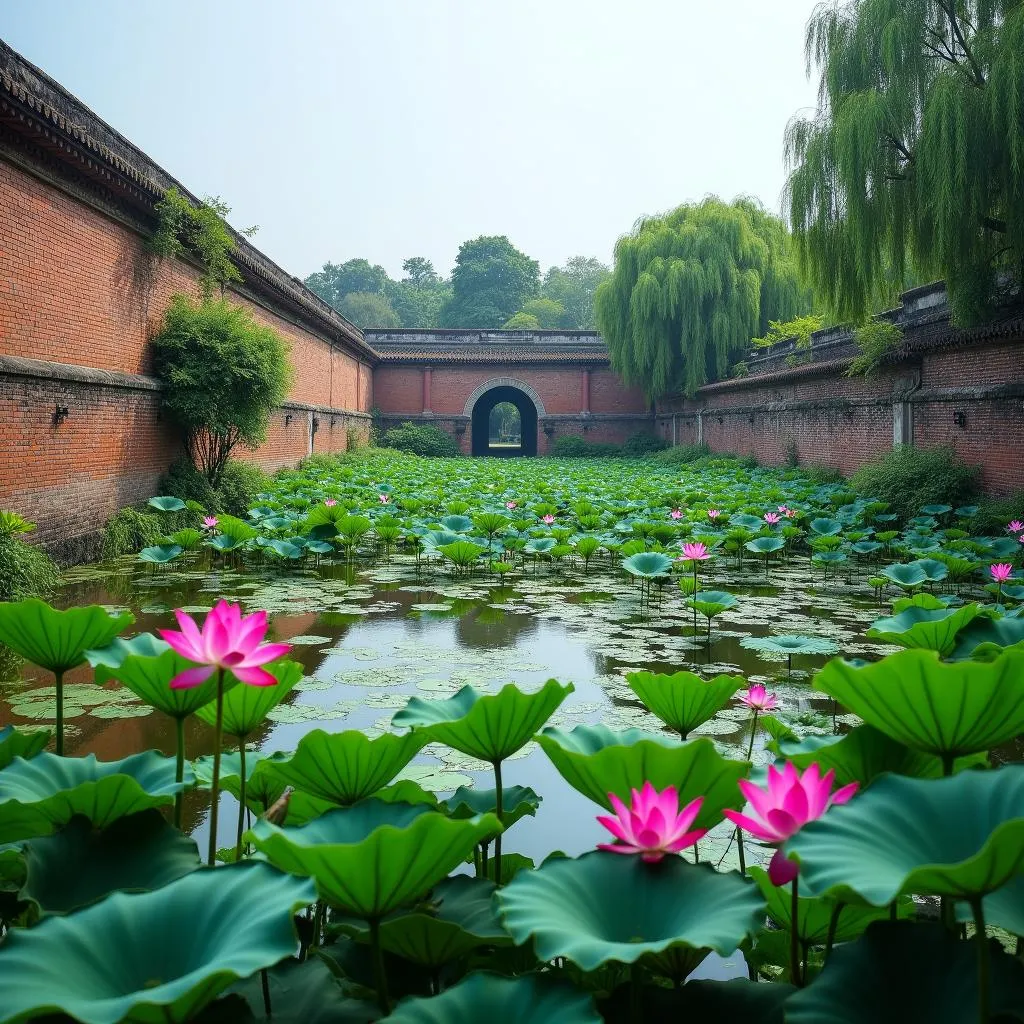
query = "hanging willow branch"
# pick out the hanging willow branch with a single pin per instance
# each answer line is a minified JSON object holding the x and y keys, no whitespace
{"x":913,"y":165}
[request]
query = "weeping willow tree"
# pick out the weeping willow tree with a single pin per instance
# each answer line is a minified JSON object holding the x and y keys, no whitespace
{"x":913,"y":163}
{"x":691,"y":288}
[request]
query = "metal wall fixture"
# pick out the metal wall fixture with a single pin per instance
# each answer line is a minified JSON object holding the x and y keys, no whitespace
{"x":60,"y":414}
{"x":287,"y":419}
{"x":316,"y":425}
{"x":960,"y":419}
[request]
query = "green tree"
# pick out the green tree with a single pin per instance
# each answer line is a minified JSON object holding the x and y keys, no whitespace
{"x":223,"y":374}
{"x":420,"y":272}
{"x":491,"y":281}
{"x":549,"y":313}
{"x":574,"y":286}
{"x":419,"y":297}
{"x":521,"y":322}
{"x":691,"y":288}
{"x":366,"y":309}
{"x":337,"y":280}
{"x":913,"y":162}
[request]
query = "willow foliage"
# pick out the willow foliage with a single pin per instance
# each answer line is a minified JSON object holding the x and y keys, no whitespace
{"x":914,"y":160}
{"x":691,"y":288}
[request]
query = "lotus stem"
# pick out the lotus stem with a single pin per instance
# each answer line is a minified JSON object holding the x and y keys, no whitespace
{"x":179,"y":769}
{"x":794,"y":938}
{"x":833,"y":927}
{"x":984,"y":959}
{"x":379,"y":974}
{"x":211,"y":857}
{"x":265,"y":982}
{"x":498,"y":810}
{"x":59,"y":680}
{"x":241,"y":800}
{"x":743,"y":855}
{"x":636,"y":995}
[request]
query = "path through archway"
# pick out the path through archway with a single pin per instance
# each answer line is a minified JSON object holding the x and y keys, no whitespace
{"x":481,"y":428}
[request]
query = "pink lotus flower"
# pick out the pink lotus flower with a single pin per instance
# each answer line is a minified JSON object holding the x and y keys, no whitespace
{"x":791,"y":513}
{"x":780,"y":810}
{"x":549,"y":519}
{"x":210,"y":522}
{"x":384,"y":498}
{"x":653,"y":825}
{"x":330,"y":502}
{"x":228,"y":641}
{"x":510,"y":505}
{"x":695,"y":553}
{"x":1015,"y":527}
{"x":783,"y":509}
{"x":713,"y":513}
{"x":757,"y":698}
{"x":676,"y":514}
{"x":1001,"y":572}
{"x":771,"y":518}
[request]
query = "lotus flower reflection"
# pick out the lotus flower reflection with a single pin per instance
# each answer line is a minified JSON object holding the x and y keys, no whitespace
{"x":781,"y":809}
{"x":653,"y":825}
{"x":228,"y":640}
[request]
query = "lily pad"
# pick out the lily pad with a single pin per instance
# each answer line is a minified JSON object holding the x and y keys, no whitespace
{"x":564,"y":908}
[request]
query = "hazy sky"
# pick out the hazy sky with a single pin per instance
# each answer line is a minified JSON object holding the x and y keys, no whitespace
{"x":395,"y":128}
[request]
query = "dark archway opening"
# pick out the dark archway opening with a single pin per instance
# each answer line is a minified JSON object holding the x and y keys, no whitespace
{"x":493,"y":434}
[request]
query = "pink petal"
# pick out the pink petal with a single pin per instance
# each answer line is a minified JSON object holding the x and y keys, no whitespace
{"x":781,"y":870}
{"x":615,"y":827}
{"x":657,"y":823}
{"x":777,"y":785}
{"x":686,"y":817}
{"x":253,"y":676}
{"x":189,"y":629}
{"x":617,"y":848}
{"x":182,"y":645}
{"x":755,"y":828}
{"x":649,"y":839}
{"x":268,"y":652}
{"x":760,"y":800}
{"x":686,"y":839}
{"x":252,"y":631}
{"x":840,"y":796}
{"x":784,"y":824}
{"x":621,"y":810}
{"x":795,"y":804}
{"x":651,"y":856}
{"x":191,"y":677}
{"x":668,"y":803}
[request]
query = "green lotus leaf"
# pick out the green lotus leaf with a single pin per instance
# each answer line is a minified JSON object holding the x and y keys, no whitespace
{"x":826,"y":527}
{"x":21,"y":743}
{"x":865,"y":753}
{"x":245,"y":707}
{"x":540,"y":545}
{"x":596,"y":761}
{"x":929,"y":629}
{"x":747,"y":522}
{"x":490,"y":727}
{"x":146,"y":665}
{"x":648,"y":564}
{"x":180,"y":946}
{"x":160,"y":554}
{"x":345,"y":767}
{"x":564,"y":907}
{"x":907,"y":576}
{"x":814,"y":914}
{"x":866,"y":547}
{"x":55,"y":640}
{"x":787,"y":646}
{"x":1004,"y":908}
{"x":961,"y":836}
{"x":718,"y":1002}
{"x":917,"y":972}
{"x":765,"y":545}
{"x":517,"y":802}
{"x":79,"y":865}
{"x":683,"y":700}
{"x":457,"y":524}
{"x":458,"y":918}
{"x":38,"y":796}
{"x":462,"y":552}
{"x":986,"y":637}
{"x":529,"y":999}
{"x":374,"y":857}
{"x":167,"y":504}
{"x":223,"y":543}
{"x":944,"y":709}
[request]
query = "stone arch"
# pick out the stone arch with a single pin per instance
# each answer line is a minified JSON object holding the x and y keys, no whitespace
{"x":504,"y":382}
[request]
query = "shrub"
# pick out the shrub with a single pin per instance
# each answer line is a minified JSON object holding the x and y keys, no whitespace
{"x":131,"y":530}
{"x":995,"y":513}
{"x":683,"y":454}
{"x":25,"y":571}
{"x":184,"y":481}
{"x":799,"y":329}
{"x":573,"y":447}
{"x":824,"y":474}
{"x":642,"y":444}
{"x":239,"y":485}
{"x":223,"y":375}
{"x":424,"y":440}
{"x":908,"y":478}
{"x":321,"y":462}
{"x":875,"y":339}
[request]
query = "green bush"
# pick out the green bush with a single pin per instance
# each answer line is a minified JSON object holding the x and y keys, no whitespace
{"x":639,"y":446}
{"x":321,"y":463}
{"x":909,"y":478}
{"x":425,"y":440}
{"x":573,"y":447}
{"x":25,"y":571}
{"x":184,"y":481}
{"x":995,"y":513}
{"x":683,"y":454}
{"x":239,"y":485}
{"x":132,"y":529}
{"x":824,"y":474}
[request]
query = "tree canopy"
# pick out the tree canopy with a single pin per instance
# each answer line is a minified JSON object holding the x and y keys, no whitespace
{"x":491,"y":281}
{"x":365,"y":309}
{"x":913,"y":162}
{"x":690,"y":289}
{"x":573,"y":287}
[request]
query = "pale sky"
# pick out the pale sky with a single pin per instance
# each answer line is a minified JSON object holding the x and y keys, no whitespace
{"x":395,"y":128}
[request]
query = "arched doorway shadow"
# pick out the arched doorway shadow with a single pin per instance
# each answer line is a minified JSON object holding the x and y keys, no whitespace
{"x":481,"y":416}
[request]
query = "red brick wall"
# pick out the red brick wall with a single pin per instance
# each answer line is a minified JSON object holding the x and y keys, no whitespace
{"x":79,"y":288}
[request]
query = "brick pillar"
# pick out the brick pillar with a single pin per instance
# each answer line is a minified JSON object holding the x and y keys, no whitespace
{"x":585,"y":390}
{"x":426,"y":389}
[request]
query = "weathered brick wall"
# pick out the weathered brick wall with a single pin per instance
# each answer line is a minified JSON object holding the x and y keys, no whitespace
{"x":79,"y":290}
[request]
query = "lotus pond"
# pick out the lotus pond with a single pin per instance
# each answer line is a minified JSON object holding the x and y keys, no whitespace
{"x":557,"y":633}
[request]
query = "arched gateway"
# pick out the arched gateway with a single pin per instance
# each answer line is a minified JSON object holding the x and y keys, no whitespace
{"x":482,"y":402}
